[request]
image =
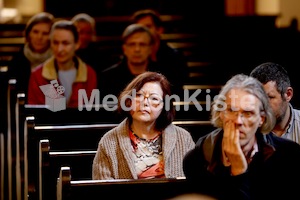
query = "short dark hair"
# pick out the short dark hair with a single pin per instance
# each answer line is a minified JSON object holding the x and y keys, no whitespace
{"x":167,"y":116}
{"x":66,"y":25}
{"x":84,"y":17}
{"x":42,"y":17}
{"x":270,"y":71}
{"x":155,"y":16}
{"x":136,"y":28}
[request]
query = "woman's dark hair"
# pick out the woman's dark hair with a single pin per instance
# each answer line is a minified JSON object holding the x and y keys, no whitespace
{"x":167,"y":116}
{"x":66,"y":25}
{"x":42,"y":17}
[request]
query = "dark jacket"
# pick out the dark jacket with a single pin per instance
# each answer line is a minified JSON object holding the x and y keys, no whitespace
{"x":96,"y":58}
{"x":116,"y":77}
{"x":173,"y":64}
{"x":273,"y":173}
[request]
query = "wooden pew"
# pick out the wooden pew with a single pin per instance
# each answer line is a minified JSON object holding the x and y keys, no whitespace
{"x":80,"y":162}
{"x":3,"y":132}
{"x":87,"y":136}
{"x":189,"y":111}
{"x":134,"y":189}
{"x":51,"y":161}
{"x":20,"y":118}
{"x":77,"y":138}
{"x":62,"y":138}
{"x":44,"y":116}
{"x":13,"y":188}
{"x":12,"y":30}
{"x":196,"y":128}
{"x":196,"y":102}
{"x":199,"y":67}
{"x":3,"y":98}
{"x":2,"y":166}
{"x":85,"y":128}
{"x":3,"y":128}
{"x":199,"y":110}
{"x":110,"y":45}
{"x":9,"y":47}
{"x":108,"y":39}
{"x":14,"y":171}
{"x":12,"y":138}
{"x":67,"y":137}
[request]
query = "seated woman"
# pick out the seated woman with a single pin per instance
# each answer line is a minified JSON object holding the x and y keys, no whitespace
{"x":35,"y":51}
{"x":65,"y":67}
{"x":145,"y":144}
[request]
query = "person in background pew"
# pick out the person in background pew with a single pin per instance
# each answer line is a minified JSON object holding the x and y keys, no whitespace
{"x":145,"y":144}
{"x":35,"y":51}
{"x":242,"y":159}
{"x":192,"y":196}
{"x":277,"y":85}
{"x":136,"y":45}
{"x":88,"y":50}
{"x":171,"y":61}
{"x":65,"y":67}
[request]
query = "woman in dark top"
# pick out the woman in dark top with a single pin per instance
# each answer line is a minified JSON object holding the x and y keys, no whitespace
{"x":35,"y":51}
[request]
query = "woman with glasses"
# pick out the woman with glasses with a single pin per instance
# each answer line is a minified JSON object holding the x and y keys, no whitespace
{"x":242,"y":159}
{"x":145,"y":144}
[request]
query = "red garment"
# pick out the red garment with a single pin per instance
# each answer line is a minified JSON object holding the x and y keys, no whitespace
{"x":86,"y":78}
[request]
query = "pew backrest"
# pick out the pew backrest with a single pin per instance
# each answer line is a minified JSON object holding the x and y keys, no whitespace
{"x":84,"y":137}
{"x":50,"y":162}
{"x":134,"y":189}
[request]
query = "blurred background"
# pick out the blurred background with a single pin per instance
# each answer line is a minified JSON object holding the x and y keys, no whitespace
{"x":219,"y":37}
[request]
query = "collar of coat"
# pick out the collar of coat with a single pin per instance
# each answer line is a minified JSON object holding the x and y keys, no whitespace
{"x":50,"y":72}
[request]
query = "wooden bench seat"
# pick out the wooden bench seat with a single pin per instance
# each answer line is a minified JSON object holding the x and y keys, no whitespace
{"x":44,"y":116}
{"x":62,"y":138}
{"x":50,"y":162}
{"x":146,"y":189}
{"x":19,"y":40}
{"x":202,"y":92}
{"x":110,"y":43}
{"x":78,"y":138}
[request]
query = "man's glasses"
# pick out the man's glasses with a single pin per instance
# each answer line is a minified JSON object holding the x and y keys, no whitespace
{"x":233,"y":114}
{"x":153,"y":99}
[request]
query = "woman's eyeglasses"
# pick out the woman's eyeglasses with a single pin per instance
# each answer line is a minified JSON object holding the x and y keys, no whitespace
{"x":153,"y":99}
